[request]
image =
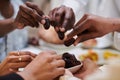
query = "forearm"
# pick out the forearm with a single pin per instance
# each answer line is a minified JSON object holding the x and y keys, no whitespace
{"x":12,"y":76}
{"x":6,"y":26}
{"x":115,"y":22}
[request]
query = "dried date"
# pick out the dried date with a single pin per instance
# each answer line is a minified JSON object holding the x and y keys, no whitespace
{"x":61,"y":35}
{"x":69,"y":42}
{"x":47,"y":24}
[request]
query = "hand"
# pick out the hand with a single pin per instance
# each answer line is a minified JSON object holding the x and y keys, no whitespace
{"x":88,"y":68}
{"x":29,"y":15}
{"x":46,"y":66}
{"x":49,"y":36}
{"x":63,"y":19}
{"x":12,"y":62}
{"x":92,"y":26}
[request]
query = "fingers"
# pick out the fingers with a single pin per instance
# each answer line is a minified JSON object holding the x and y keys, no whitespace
{"x":45,"y":21}
{"x":84,"y":37}
{"x":58,"y":16}
{"x":32,"y":13}
{"x":63,"y":19}
{"x":60,"y":63}
{"x":24,"y":55}
{"x":69,"y":20}
{"x":48,"y":52}
{"x":29,"y":17}
{"x":82,"y":19}
{"x":18,"y":65}
{"x":24,"y":58}
{"x":34,"y":6}
{"x":78,"y":29}
{"x":18,"y":53}
{"x":59,"y":71}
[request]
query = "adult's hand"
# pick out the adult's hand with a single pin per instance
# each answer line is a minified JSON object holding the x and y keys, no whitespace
{"x":14,"y":61}
{"x":87,"y":68}
{"x":46,"y":66}
{"x":29,"y":15}
{"x":92,"y":26}
{"x":63,"y":19}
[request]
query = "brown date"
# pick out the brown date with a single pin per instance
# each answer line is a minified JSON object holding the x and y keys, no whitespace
{"x":69,"y":42}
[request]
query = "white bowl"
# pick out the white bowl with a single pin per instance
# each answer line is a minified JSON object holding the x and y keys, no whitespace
{"x":75,"y":68}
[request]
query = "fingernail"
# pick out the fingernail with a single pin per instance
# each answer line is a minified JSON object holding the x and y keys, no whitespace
{"x":75,"y":44}
{"x":43,"y":21}
{"x":62,"y":29}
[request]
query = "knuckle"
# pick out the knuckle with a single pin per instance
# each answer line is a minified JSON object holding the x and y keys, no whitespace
{"x":8,"y":58}
{"x":86,"y":15}
{"x":21,"y":6}
{"x":49,"y":58}
{"x":35,"y":6}
{"x":52,"y":67}
{"x":30,"y":11}
{"x":63,"y":62}
{"x":71,"y":9}
{"x":68,"y":18}
{"x":27,"y":52}
{"x":62,"y":71}
{"x":28,"y":57}
{"x":10,"y":65}
{"x":90,"y":18}
{"x":43,"y":53}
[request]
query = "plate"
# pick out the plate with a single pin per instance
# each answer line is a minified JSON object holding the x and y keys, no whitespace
{"x":75,"y":68}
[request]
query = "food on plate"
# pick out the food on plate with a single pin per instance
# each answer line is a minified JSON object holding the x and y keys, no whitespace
{"x":108,"y":55}
{"x":70,"y":60}
{"x":91,"y":55}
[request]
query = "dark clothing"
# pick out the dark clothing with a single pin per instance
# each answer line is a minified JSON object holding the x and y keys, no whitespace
{"x":12,"y":76}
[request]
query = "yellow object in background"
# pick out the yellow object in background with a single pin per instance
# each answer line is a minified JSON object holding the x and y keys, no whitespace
{"x":108,"y":55}
{"x":90,"y":55}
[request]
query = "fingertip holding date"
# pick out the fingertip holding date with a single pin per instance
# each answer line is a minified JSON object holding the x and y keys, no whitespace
{"x":69,"y":42}
{"x":47,"y":23}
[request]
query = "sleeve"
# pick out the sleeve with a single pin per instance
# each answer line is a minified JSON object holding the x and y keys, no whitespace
{"x":76,"y":5}
{"x":12,"y":76}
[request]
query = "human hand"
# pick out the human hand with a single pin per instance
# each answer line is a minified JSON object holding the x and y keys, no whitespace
{"x":92,"y":26}
{"x":14,"y":61}
{"x":49,"y":36}
{"x":29,"y":15}
{"x":62,"y":19}
{"x":46,"y":66}
{"x":87,"y":68}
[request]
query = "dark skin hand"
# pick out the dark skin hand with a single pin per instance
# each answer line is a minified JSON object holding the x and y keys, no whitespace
{"x":6,"y":25}
{"x":6,"y":8}
{"x":92,"y":26}
{"x":62,"y":19}
{"x":28,"y":15}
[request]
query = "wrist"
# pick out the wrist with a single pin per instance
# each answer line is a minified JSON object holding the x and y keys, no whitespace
{"x":26,"y":76}
{"x":116,"y":25}
{"x":13,"y":24}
